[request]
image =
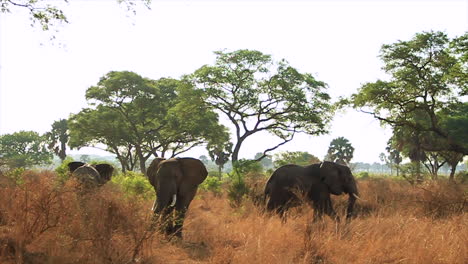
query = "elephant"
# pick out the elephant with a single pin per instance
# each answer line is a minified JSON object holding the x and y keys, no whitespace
{"x":175,"y":182}
{"x":314,"y":183}
{"x":91,"y":175}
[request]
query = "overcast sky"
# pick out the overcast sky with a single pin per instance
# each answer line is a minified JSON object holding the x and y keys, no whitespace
{"x":337,"y":41}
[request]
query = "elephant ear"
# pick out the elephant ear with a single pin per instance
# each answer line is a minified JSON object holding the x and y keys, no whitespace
{"x":105,"y":171}
{"x":72,"y":166}
{"x":153,"y":169}
{"x":194,"y":170}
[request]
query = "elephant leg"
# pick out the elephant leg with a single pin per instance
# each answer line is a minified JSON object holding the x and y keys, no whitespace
{"x":179,"y":222}
{"x":322,"y":203}
{"x":330,"y":211}
{"x":349,"y":210}
{"x":163,"y":220}
{"x":184,"y":198}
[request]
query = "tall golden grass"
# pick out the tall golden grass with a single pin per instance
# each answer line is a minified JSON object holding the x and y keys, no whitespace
{"x":42,"y":221}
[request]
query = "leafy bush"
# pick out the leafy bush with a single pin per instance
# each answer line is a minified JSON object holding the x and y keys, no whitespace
{"x":15,"y":176}
{"x":62,"y":170}
{"x":238,"y":188}
{"x":362,"y":175}
{"x":461,"y":176}
{"x":212,"y":184}
{"x":134,"y":183}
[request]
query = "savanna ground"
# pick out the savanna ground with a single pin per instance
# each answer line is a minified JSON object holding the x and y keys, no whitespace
{"x":43,"y":220}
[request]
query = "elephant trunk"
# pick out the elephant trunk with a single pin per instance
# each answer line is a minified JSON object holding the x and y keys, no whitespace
{"x":351,"y":202}
{"x":353,"y":195}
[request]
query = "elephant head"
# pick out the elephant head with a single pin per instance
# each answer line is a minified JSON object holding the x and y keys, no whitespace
{"x":97,"y":174}
{"x":338,"y":178}
{"x":176,"y":182}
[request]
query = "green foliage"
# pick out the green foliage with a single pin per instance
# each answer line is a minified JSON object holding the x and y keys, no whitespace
{"x":301,"y":158}
{"x":24,"y":149}
{"x":212,"y":184}
{"x":63,"y":171}
{"x":238,"y":187}
{"x":58,"y":138}
{"x":47,"y":14}
{"x":258,"y":94}
{"x":136,"y":117}
{"x":340,"y":151}
{"x":15,"y":175}
{"x":428,"y":80}
{"x":411,"y":172}
{"x":134,"y":184}
{"x":461,"y":176}
{"x":362,"y":175}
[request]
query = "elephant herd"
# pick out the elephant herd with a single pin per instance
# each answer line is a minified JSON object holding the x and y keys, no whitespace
{"x":176,"y":181}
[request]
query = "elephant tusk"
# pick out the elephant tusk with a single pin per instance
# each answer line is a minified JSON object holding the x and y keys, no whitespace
{"x":154,"y":205}
{"x":357,"y":197}
{"x":174,"y":199}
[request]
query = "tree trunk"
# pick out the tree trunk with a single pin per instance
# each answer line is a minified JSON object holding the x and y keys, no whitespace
{"x":419,"y":178}
{"x":235,"y":152}
{"x":141,"y":159}
{"x":452,"y":173}
{"x":62,"y":154}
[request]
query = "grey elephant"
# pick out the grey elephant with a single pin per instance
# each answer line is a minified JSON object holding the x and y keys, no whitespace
{"x":314,"y":184}
{"x":91,"y":175}
{"x":176,"y":182}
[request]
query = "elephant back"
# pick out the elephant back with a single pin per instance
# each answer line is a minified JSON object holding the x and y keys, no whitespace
{"x":87,"y":175}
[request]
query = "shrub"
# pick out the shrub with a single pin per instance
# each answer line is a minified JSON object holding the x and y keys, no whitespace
{"x":212,"y":184}
{"x":461,"y":176}
{"x":15,"y":175}
{"x":363,"y":175}
{"x":134,"y":183}
{"x":62,"y":170}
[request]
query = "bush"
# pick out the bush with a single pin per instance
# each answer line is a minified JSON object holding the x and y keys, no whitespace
{"x":134,"y":183}
{"x":362,"y":175}
{"x":236,"y":191}
{"x":461,"y":176}
{"x":63,"y":171}
{"x":15,"y":176}
{"x":212,"y":184}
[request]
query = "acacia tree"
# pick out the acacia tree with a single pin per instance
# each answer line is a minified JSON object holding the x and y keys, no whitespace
{"x":46,"y":12}
{"x":257,"y":94}
{"x":58,"y":138}
{"x":340,"y":151}
{"x":137,"y":118}
{"x":103,"y":128}
{"x":301,"y":158}
{"x":24,"y":149}
{"x":428,"y":75}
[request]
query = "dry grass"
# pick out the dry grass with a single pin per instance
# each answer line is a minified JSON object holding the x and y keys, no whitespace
{"x":42,"y":222}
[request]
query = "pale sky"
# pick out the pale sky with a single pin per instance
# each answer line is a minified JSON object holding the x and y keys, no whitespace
{"x":337,"y":41}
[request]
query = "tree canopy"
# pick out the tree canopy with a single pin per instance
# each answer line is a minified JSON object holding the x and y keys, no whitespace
{"x":340,"y":151}
{"x":294,"y":157}
{"x":258,"y":94}
{"x":136,"y":118}
{"x":46,"y":12}
{"x":58,"y":138}
{"x":24,"y":149}
{"x":425,"y":93}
